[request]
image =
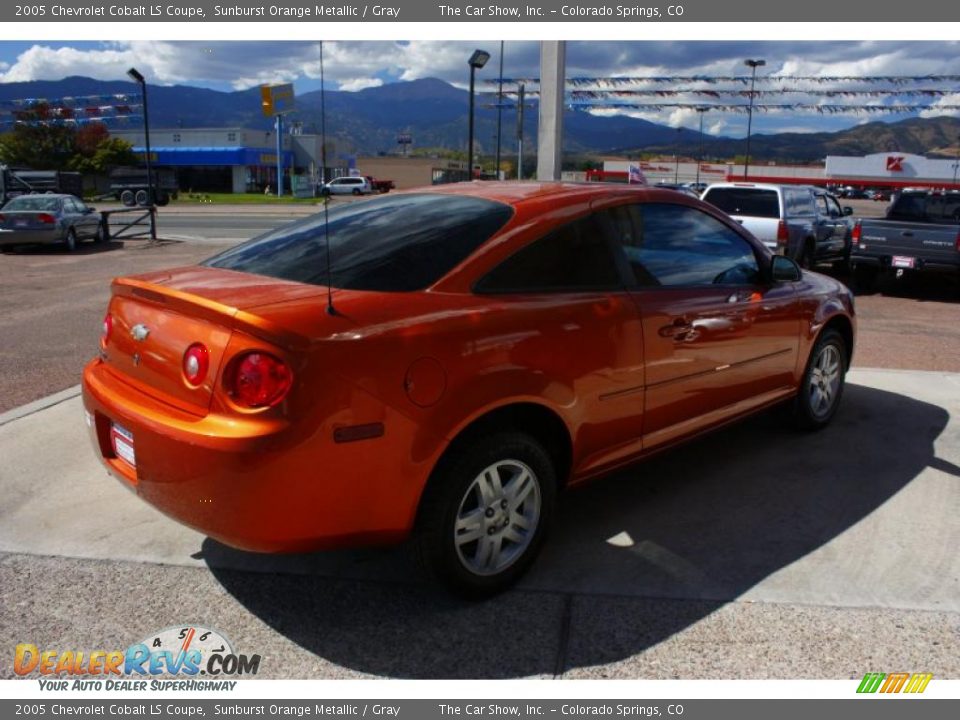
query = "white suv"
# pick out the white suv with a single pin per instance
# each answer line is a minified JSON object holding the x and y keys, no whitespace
{"x":347,"y":186}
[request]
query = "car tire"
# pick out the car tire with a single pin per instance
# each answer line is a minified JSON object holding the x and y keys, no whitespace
{"x":143,"y":198}
{"x":485,"y":513}
{"x":101,"y":235}
{"x":70,"y":240}
{"x":357,"y":192}
{"x":823,"y":380}
{"x":128,"y":198}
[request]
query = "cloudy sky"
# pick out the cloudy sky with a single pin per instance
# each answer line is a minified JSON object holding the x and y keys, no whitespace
{"x":357,"y":65}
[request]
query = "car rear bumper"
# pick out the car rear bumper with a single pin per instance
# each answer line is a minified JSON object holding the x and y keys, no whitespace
{"x":885,"y":262}
{"x":29,"y":237}
{"x":255,"y":485}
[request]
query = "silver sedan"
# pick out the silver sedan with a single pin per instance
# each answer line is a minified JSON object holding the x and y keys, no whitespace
{"x":49,"y":220}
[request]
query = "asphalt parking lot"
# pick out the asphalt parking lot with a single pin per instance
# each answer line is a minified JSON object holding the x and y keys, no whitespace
{"x":754,"y":553}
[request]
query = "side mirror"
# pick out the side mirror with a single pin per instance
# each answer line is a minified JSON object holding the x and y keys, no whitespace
{"x":784,"y":269}
{"x":847,"y":210}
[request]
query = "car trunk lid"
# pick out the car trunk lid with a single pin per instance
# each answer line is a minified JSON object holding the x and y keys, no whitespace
{"x":156,"y":317}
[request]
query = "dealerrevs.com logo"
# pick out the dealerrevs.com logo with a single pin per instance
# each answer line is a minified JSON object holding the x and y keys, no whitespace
{"x":186,"y":651}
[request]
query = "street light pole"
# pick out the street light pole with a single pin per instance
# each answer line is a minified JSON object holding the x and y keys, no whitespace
{"x":700,"y":111}
{"x":477,"y":61}
{"x":499,"y":108}
{"x":138,"y":78}
{"x":753,"y":65}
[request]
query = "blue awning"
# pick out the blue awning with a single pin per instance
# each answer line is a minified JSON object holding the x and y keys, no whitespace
{"x":216,"y":156}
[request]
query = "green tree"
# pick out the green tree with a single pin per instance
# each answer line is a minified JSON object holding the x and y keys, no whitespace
{"x":108,"y":154}
{"x":36,"y":142}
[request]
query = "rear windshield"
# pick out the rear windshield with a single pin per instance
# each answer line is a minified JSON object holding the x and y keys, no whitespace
{"x":752,"y":202}
{"x":36,"y":203}
{"x":400,"y":243}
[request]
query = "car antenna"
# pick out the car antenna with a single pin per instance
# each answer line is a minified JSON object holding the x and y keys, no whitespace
{"x":323,"y":171}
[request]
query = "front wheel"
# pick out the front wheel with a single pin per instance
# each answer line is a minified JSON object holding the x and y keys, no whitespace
{"x":823,"y":381}
{"x":486,"y":512}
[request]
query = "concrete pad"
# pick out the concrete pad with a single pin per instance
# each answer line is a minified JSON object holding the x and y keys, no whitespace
{"x":862,"y":514}
{"x":304,"y":627}
{"x":622,"y":637}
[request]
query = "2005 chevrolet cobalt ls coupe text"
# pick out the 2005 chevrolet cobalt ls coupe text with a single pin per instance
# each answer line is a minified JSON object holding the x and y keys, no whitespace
{"x":459,"y":356}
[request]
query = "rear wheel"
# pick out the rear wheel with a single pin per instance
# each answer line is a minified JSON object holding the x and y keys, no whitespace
{"x":357,"y":191}
{"x":143,"y":198}
{"x":823,"y":381}
{"x":486,"y":512}
{"x":128,"y":198}
{"x":101,"y":235}
{"x":70,"y":240}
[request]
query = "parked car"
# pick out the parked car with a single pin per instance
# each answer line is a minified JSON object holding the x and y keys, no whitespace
{"x":794,"y":220}
{"x":448,"y":363}
{"x":347,"y":185}
{"x":381,"y":186}
{"x":921,"y":233}
{"x":49,"y":219}
{"x":678,"y":187}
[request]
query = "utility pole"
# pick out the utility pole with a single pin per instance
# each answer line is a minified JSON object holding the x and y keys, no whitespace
{"x":753,"y":65}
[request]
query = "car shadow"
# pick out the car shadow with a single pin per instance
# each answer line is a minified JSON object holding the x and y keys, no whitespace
{"x":702,"y":524}
{"x":83,"y":248}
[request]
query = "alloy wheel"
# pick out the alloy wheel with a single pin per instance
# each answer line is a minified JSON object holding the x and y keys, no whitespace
{"x":497,"y":517}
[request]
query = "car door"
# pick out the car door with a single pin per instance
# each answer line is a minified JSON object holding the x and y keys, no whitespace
{"x":833,"y":227}
{"x":565,"y":294}
{"x":85,"y":222}
{"x":718,"y":340}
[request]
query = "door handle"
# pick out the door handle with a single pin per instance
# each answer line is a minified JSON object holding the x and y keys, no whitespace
{"x":677,"y":329}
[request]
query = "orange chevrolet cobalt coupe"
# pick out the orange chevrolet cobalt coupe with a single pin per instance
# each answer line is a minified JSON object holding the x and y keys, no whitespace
{"x":447,"y":363}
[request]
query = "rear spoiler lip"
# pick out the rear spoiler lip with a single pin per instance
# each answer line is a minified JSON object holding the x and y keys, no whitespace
{"x":211,"y":310}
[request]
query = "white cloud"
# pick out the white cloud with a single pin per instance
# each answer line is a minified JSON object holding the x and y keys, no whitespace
{"x":360,"y":84}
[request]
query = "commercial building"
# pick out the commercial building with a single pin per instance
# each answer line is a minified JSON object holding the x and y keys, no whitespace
{"x":889,"y":169}
{"x":228,"y":159}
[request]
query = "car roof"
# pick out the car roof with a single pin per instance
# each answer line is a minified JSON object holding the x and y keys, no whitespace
{"x":748,"y":185}
{"x":522,"y":192}
{"x":55,"y":196}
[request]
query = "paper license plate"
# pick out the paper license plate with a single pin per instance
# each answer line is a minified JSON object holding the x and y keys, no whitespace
{"x":901,"y":261}
{"x":122,"y":441}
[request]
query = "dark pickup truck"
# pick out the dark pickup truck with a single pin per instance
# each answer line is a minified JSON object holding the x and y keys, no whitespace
{"x":921,"y":233}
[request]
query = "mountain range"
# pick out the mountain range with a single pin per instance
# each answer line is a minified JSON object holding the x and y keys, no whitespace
{"x":435,"y":113}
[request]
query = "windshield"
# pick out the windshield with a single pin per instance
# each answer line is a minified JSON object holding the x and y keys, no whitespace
{"x":35,"y":203}
{"x":399,"y":243}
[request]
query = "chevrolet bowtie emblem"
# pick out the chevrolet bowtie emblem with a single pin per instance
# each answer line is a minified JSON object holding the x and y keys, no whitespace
{"x":139,"y":332}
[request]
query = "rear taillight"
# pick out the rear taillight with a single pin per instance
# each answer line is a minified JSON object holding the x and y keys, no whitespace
{"x":2,"y":218}
{"x":783,"y":234}
{"x":857,"y":234}
{"x":46,"y":218}
{"x":196,"y":362}
{"x":107,"y":329}
{"x":259,"y":380}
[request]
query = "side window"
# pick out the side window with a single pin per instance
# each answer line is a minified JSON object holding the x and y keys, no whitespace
{"x":682,"y":246}
{"x":833,"y":207}
{"x":72,"y":206}
{"x":575,"y":257}
{"x":908,"y":207}
{"x":801,"y":202}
